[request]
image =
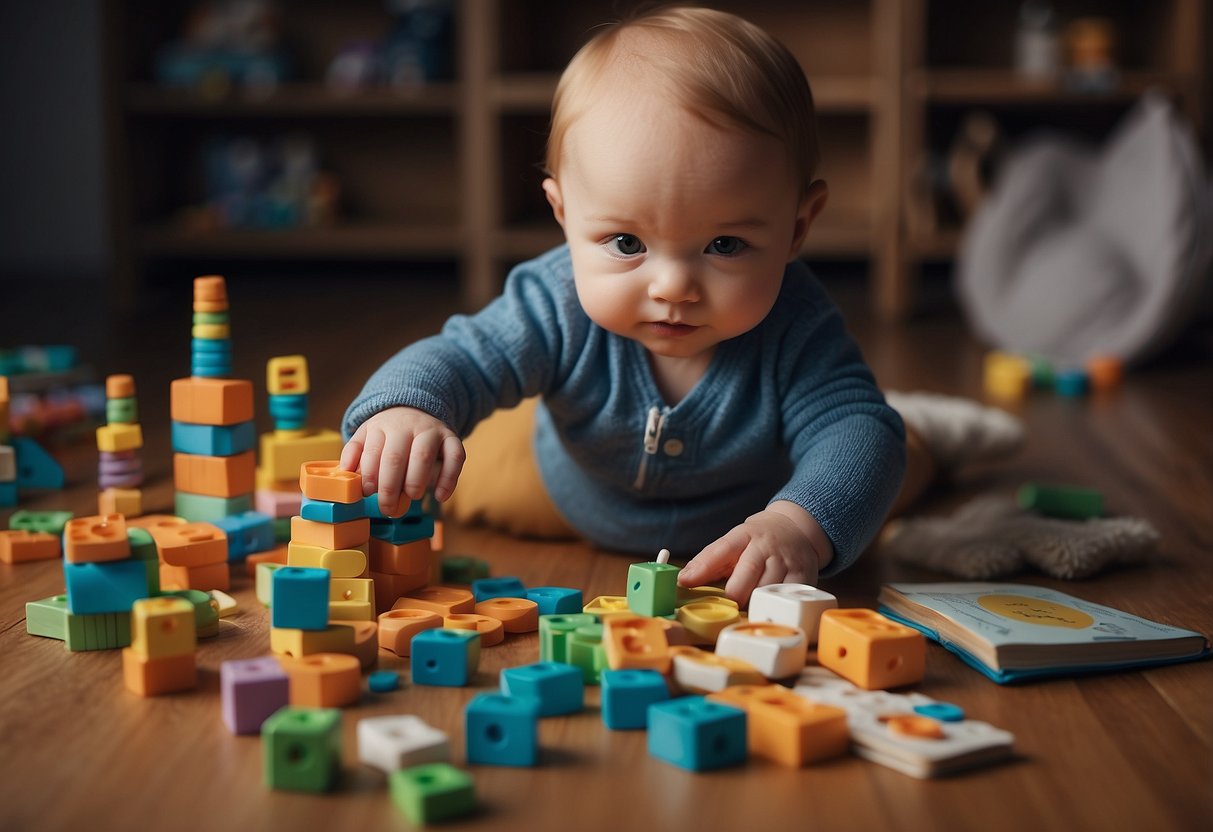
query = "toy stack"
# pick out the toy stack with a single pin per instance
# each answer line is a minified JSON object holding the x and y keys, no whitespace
{"x":160,"y":658}
{"x":120,"y":472}
{"x":8,"y":456}
{"x":402,"y":557}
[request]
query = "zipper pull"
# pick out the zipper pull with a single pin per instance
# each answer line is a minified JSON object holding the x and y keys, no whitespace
{"x":652,"y":435}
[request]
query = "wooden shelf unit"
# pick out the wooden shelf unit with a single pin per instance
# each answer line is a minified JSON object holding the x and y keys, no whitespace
{"x":450,"y":171}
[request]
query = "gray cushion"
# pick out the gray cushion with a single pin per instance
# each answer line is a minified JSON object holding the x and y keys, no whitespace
{"x":1080,"y":252}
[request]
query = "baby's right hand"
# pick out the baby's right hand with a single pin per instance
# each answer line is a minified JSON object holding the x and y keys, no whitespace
{"x":403,"y":448}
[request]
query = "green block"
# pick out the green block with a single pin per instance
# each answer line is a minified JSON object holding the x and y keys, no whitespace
{"x":265,"y":582}
{"x":1042,"y":373}
{"x":586,"y":652}
{"x":51,"y":522}
{"x":462,"y":569}
{"x":282,"y":529}
{"x":652,"y":588}
{"x":144,"y":548}
{"x":124,"y":411}
{"x":47,"y":617}
{"x":206,"y":611}
{"x":301,"y":748}
{"x":1062,"y":501}
{"x":211,"y":318}
{"x":103,"y":631}
{"x":432,"y":792}
{"x":554,"y":632}
{"x":200,"y":508}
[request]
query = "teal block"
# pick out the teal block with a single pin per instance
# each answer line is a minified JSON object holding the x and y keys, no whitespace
{"x":556,"y":600}
{"x":202,"y":508}
{"x":557,"y":687}
{"x":652,"y":588}
{"x":247,"y":533}
{"x":697,"y":734}
{"x":301,"y":598}
{"x":301,"y":749}
{"x":501,"y":730}
{"x":51,"y":522}
{"x":323,"y":511}
{"x":47,"y":617}
{"x":214,"y":440}
{"x":109,"y":586}
{"x":447,"y":658}
{"x":8,"y":494}
{"x":554,"y":634}
{"x":432,"y":792}
{"x":35,"y":467}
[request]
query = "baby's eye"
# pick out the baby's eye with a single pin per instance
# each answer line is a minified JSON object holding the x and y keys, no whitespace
{"x":726,"y":246}
{"x":626,"y":244}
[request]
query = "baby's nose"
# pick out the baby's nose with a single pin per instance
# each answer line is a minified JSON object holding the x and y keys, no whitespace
{"x":674,"y":282}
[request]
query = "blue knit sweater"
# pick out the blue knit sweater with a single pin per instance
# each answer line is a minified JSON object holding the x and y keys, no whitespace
{"x":787,"y":411}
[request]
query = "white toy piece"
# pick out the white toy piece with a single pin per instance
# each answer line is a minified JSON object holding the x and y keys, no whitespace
{"x":793,"y":605}
{"x":399,"y":741}
{"x":227,"y":604}
{"x":775,"y":650}
{"x":698,"y":671}
{"x":886,"y":729}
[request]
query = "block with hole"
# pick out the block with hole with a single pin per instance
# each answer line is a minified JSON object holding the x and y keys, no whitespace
{"x":50,"y":522}
{"x":95,"y":539}
{"x":517,"y":615}
{"x":556,"y":600}
{"x":554,"y":634}
{"x":606,"y":605}
{"x":501,"y":730}
{"x":444,"y":600}
{"x":634,"y":642}
{"x":300,"y":598}
{"x":206,"y":610}
{"x":301,"y":749}
{"x":21,"y":546}
{"x":696,"y":671}
{"x":704,"y":619}
{"x":247,"y":533}
{"x":324,"y":680}
{"x":652,"y":588}
{"x":445,"y":657}
{"x":296,"y":643}
{"x":189,"y":544}
{"x":485,"y":589}
{"x":776,"y":651}
{"x":163,"y":627}
{"x":491,"y":630}
{"x":398,"y":627}
{"x":586,"y":652}
{"x":324,"y":480}
{"x":251,"y":690}
{"x":786,"y":728}
{"x":870,"y":650}
{"x":432,"y":792}
{"x":395,"y":741}
{"x":793,"y":605}
{"x":557,"y":687}
{"x":696,"y":734}
{"x":351,"y":599}
{"x":626,"y":697}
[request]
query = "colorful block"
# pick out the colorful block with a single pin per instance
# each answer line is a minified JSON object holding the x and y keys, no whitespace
{"x":403,"y":529}
{"x":302,"y":749}
{"x":206,"y":509}
{"x":154,"y":677}
{"x":215,"y":476}
{"x":554,"y":600}
{"x":162,"y":627}
{"x":517,"y":615}
{"x":413,"y":558}
{"x":119,"y":436}
{"x":47,"y":617}
{"x":214,"y":440}
{"x":125,"y":501}
{"x":652,"y":588}
{"x":554,"y":634}
{"x":503,"y":587}
{"x":396,"y":741}
{"x":35,"y":467}
{"x":296,"y":643}
{"x":633,"y":642}
{"x":206,"y":577}
{"x":286,"y":374}
{"x":95,"y":539}
{"x":793,"y":605}
{"x":397,"y":628}
{"x":606,"y":605}
{"x":51,"y":522}
{"x":627,"y":695}
{"x":189,"y":544}
{"x":211,"y":401}
{"x":351,"y":599}
{"x":776,"y":651}
{"x":432,"y":792}
{"x":491,"y":630}
{"x":870,"y":650}
{"x":556,"y":687}
{"x":502,"y":730}
{"x":586,"y":652}
{"x":788,"y":728}
{"x":444,"y":600}
{"x":247,"y":533}
{"x":323,"y":511}
{"x":300,"y":598}
{"x":282,"y":456}
{"x":706,"y":618}
{"x":21,"y":546}
{"x":330,"y":535}
{"x":324,"y":680}
{"x":696,"y":734}
{"x":445,"y":657}
{"x":342,"y":563}
{"x":279,"y":504}
{"x":111,"y":586}
{"x":698,"y":671}
{"x":206,"y":612}
{"x":324,"y":480}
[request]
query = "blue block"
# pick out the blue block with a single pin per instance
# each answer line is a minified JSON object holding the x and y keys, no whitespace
{"x":943,"y":711}
{"x":214,"y":440}
{"x":8,"y":494}
{"x":288,"y":405}
{"x":108,"y":586}
{"x":207,"y":371}
{"x":504,"y":587}
{"x":371,"y":506}
{"x":697,"y":734}
{"x":627,"y":694}
{"x":35,"y":467}
{"x":502,"y":730}
{"x":322,"y":511}
{"x":247,"y":533}
{"x":447,"y":658}
{"x":301,"y":598}
{"x":403,"y":529}
{"x":211,"y":359}
{"x":1070,"y":383}
{"x":556,"y":600}
{"x":557,"y":687}
{"x":211,"y":345}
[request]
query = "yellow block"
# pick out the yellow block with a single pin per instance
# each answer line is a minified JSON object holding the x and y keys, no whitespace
{"x":607,"y":605}
{"x":704,"y":619}
{"x":352,"y":599}
{"x":119,"y":437}
{"x":298,"y":643}
{"x":689,"y":594}
{"x":343,"y":563}
{"x":212,"y":331}
{"x":286,"y":375}
{"x":163,"y":627}
{"x":125,"y":501}
{"x":281,"y":457}
{"x":1006,"y":376}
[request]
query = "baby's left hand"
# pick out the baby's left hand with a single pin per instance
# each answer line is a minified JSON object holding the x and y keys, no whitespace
{"x":782,"y":543}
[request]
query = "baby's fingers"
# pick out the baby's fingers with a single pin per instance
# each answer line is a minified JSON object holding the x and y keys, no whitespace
{"x":352,"y":451}
{"x":716,"y":560}
{"x":752,"y":568}
{"x":453,"y":457}
{"x":423,"y":456}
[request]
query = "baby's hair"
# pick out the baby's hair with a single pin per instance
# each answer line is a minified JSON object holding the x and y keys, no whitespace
{"x":715,"y":65}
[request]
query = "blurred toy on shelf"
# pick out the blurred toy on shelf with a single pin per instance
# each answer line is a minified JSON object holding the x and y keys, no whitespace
{"x":1037,"y":43}
{"x":253,"y":183}
{"x":226,"y":44}
{"x":1089,"y":46}
{"x":418,"y":50}
{"x":52,"y":396}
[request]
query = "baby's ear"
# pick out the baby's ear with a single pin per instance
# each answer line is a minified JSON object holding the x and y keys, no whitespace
{"x":551,"y":188}
{"x":809,"y":208}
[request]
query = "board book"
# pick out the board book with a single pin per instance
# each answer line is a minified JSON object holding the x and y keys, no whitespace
{"x":1013,"y":632}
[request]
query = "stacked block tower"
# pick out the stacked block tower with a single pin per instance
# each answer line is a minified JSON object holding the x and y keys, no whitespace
{"x":213,"y":431}
{"x":120,"y":472}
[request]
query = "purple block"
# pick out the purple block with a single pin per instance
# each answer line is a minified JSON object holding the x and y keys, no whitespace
{"x":120,"y":466}
{"x":120,"y":480}
{"x":251,"y":690}
{"x":115,"y":456}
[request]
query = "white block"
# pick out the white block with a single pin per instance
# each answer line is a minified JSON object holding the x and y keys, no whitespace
{"x":399,"y":741}
{"x":704,"y":672}
{"x":793,"y":605}
{"x":775,"y":650}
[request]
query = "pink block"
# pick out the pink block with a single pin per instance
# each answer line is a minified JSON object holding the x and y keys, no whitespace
{"x":251,"y":690}
{"x":278,"y":504}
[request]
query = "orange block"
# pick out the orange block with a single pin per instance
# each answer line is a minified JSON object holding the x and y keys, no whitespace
{"x":412,"y":558}
{"x":189,"y":544}
{"x":119,"y":386}
{"x":787,"y":728}
{"x":491,"y":629}
{"x":324,"y":480}
{"x":397,"y":628}
{"x":366,"y":641}
{"x":517,"y":615}
{"x":1104,"y":372}
{"x":148,"y":521}
{"x":210,"y":287}
{"x":210,"y":576}
{"x":20,"y":546}
{"x":870,"y":650}
{"x":211,"y":401}
{"x":324,"y":680}
{"x":345,"y":535}
{"x":215,"y":476}
{"x":152,"y":677}
{"x":389,"y":588}
{"x":94,"y":539}
{"x":633,"y":642}
{"x":444,"y":600}
{"x":276,"y":555}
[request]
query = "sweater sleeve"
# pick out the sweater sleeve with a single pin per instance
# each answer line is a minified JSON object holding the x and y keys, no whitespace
{"x":508,"y":351}
{"x":846,"y":444}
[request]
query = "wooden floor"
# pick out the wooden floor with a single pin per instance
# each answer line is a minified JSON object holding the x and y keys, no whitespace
{"x":1125,"y":751}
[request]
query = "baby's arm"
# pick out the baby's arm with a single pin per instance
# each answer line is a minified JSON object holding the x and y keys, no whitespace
{"x":782,"y":543}
{"x":402,"y":450}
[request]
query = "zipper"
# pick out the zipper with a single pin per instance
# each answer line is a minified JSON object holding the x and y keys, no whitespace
{"x":652,"y":437}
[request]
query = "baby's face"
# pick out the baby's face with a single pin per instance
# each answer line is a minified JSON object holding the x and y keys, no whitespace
{"x":679,"y":230}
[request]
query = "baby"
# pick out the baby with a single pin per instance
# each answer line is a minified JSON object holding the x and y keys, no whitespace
{"x":699,"y":390}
